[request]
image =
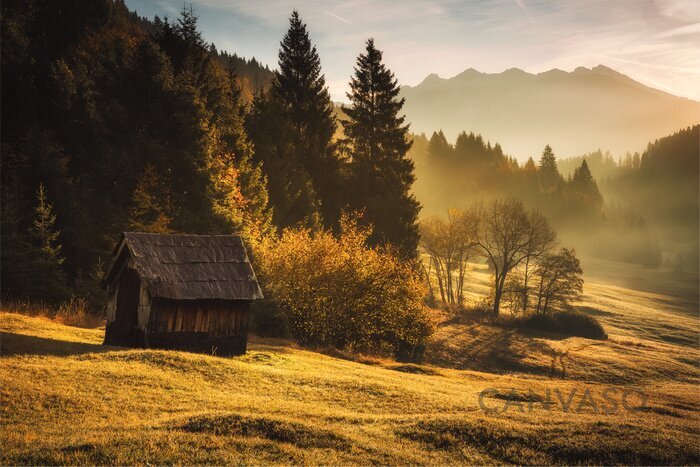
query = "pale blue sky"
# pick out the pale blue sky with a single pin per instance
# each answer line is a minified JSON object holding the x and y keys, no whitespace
{"x":656,"y":42}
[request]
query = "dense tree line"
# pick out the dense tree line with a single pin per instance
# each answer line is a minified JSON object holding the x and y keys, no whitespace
{"x":124,"y":129}
{"x":472,"y":168}
{"x":111,"y":122}
{"x":313,"y":177}
{"x":618,"y":215}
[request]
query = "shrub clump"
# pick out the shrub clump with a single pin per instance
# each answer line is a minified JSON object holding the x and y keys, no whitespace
{"x":569,"y":323}
{"x":336,"y":291}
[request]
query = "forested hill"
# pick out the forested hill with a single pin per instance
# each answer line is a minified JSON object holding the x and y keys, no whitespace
{"x":576,"y":112}
{"x":251,"y":75}
{"x":113,"y":123}
{"x":106,"y":127}
{"x":642,"y":208}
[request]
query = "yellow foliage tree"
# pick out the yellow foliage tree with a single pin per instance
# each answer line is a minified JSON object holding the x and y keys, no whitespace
{"x":338,"y":291}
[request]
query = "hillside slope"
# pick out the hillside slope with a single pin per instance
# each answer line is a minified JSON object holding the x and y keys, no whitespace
{"x":66,"y":399}
{"x":574,"y":112}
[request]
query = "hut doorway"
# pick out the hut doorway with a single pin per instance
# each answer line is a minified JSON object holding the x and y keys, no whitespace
{"x":127,"y":301}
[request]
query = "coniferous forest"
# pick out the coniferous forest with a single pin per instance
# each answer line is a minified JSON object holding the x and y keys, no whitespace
{"x":112,"y":122}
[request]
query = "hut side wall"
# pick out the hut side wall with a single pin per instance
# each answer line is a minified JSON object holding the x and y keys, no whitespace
{"x":210,"y":326}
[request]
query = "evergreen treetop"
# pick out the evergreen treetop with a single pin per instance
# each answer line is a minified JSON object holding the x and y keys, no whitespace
{"x":382,"y":175}
{"x":550,"y":177}
{"x":44,"y":227}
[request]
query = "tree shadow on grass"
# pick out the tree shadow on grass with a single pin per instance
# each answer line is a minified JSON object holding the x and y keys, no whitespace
{"x":21,"y":344}
{"x":493,"y":349}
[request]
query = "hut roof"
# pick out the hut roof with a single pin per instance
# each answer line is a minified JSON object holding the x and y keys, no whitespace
{"x":184,"y":267}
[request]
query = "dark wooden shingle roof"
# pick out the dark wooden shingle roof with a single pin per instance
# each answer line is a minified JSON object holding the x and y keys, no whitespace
{"x":185,"y":267}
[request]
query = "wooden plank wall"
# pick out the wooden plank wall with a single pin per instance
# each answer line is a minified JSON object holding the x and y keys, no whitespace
{"x":215,"y":317}
{"x":144,"y":308}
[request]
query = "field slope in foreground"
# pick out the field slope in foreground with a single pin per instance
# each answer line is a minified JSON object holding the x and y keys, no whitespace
{"x":66,"y":399}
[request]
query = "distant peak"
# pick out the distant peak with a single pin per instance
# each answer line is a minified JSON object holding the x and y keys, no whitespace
{"x":598,"y":70}
{"x":468,"y":73}
{"x":604,"y":69}
{"x":515,"y":72}
{"x":553,"y":72}
{"x":431,"y":78}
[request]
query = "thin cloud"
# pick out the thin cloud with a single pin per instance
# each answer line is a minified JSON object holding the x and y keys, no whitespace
{"x":521,"y":5}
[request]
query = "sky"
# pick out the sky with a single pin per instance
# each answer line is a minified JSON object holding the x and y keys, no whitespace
{"x":656,"y":42}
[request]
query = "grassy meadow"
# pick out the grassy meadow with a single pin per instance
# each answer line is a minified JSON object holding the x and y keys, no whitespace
{"x":66,"y":399}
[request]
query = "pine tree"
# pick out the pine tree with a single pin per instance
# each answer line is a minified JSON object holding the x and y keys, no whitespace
{"x":291,"y":193}
{"x":44,"y":224}
{"x":550,"y":178}
{"x":530,"y":181}
{"x":301,"y":90}
{"x":439,"y":150}
{"x":251,"y":180}
{"x":585,"y":189}
{"x":382,"y":175}
{"x":50,"y":280}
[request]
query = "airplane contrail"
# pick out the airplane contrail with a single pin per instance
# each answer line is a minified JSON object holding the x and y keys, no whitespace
{"x":338,"y":17}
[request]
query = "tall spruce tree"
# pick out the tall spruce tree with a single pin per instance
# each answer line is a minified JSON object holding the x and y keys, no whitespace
{"x":585,"y":189}
{"x":550,"y":178}
{"x":382,"y":175}
{"x":292,"y":196}
{"x":301,"y":88}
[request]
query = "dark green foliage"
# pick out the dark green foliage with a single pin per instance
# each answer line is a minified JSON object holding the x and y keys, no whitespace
{"x":584,"y":190}
{"x":268,"y":320}
{"x":550,"y":178}
{"x":381,"y":174}
{"x":32,"y":262}
{"x":47,"y":271}
{"x":292,"y":196}
{"x":292,"y":128}
{"x":126,"y":129}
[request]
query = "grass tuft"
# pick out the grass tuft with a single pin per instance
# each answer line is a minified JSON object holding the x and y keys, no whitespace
{"x":283,"y":431}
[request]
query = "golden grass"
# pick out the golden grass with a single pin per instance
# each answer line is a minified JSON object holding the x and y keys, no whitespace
{"x":66,"y":399}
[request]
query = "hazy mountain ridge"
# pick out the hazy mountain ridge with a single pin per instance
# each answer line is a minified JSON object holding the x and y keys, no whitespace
{"x":575,"y":112}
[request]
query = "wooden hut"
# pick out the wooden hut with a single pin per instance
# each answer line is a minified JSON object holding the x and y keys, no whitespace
{"x":189,"y":292}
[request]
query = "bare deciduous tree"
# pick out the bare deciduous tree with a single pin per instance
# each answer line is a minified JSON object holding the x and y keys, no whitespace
{"x":450,"y":245}
{"x":509,"y":236}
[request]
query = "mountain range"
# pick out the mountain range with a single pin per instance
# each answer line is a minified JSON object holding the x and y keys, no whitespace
{"x":575,"y":112}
